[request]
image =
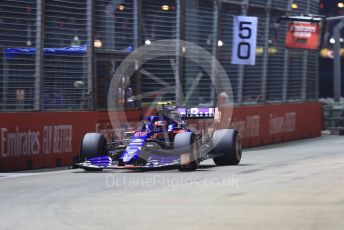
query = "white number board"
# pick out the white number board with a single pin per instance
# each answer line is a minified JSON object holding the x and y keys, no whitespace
{"x":244,"y":40}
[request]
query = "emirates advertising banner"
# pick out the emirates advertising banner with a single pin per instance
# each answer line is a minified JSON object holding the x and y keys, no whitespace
{"x":244,"y":40}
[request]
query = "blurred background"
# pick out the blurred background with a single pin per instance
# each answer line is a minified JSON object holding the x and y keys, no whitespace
{"x":329,"y":8}
{"x":61,"y":54}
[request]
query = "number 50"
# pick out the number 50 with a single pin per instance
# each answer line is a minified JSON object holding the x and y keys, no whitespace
{"x":245,"y":33}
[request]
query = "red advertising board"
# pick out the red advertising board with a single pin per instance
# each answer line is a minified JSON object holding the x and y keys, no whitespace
{"x":303,"y":35}
{"x":49,"y":139}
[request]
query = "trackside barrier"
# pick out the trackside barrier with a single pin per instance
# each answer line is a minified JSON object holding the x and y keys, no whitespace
{"x":48,"y":139}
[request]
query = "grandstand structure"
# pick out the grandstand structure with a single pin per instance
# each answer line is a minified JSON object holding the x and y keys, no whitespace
{"x":60,"y":55}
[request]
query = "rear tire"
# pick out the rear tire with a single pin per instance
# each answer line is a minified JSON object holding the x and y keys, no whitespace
{"x":186,"y":143}
{"x":93,"y":145}
{"x":227,"y":142}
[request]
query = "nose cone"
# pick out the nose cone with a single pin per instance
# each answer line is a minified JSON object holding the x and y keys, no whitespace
{"x":133,"y":150}
{"x":130,"y":155}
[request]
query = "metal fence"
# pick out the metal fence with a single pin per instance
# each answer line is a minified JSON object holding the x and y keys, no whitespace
{"x":62,"y":54}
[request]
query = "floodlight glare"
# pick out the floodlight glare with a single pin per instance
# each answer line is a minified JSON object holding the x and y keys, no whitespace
{"x":98,"y":43}
{"x":294,"y":6}
{"x":165,"y":7}
{"x":121,"y":7}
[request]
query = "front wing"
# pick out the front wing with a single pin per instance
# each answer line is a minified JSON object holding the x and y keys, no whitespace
{"x":106,"y":162}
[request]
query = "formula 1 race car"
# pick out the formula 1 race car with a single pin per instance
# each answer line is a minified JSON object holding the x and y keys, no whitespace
{"x":163,"y":140}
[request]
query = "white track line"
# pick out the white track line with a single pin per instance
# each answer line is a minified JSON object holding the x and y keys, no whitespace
{"x":30,"y":173}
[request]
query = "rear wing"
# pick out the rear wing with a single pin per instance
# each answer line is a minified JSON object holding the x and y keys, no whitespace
{"x":196,"y":113}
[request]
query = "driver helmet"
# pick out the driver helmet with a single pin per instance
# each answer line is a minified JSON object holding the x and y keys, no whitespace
{"x":171,"y":127}
{"x":146,"y":122}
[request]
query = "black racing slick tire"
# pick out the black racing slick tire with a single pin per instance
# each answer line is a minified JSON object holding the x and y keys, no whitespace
{"x":186,"y":145}
{"x":227,"y":146}
{"x":93,"y":145}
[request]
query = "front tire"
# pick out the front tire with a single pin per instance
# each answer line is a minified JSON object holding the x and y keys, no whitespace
{"x":227,"y":142}
{"x":93,"y":145}
{"x":187,"y":146}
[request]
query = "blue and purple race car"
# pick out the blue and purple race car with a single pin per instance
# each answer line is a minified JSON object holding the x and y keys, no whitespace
{"x":163,"y":140}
